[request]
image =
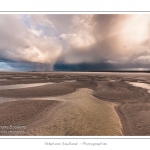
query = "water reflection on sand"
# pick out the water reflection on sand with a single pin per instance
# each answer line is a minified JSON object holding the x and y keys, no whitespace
{"x":18,"y":86}
{"x":2,"y":79}
{"x":5,"y":100}
{"x":140,"y":84}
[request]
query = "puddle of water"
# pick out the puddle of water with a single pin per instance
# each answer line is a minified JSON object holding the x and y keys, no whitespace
{"x":5,"y":100}
{"x":19,"y":77}
{"x":2,"y":79}
{"x":112,"y":80}
{"x":140,"y":84}
{"x":18,"y":86}
{"x":70,"y":80}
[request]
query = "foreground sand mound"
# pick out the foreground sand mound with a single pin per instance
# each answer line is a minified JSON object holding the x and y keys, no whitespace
{"x":81,"y":114}
{"x":78,"y":113}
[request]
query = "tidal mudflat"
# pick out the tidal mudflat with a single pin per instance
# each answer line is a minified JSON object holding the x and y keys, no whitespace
{"x":74,"y":104}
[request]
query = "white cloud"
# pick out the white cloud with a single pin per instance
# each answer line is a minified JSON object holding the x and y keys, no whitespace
{"x":20,"y":43}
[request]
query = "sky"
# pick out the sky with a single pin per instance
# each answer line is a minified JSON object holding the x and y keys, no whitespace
{"x":74,"y":42}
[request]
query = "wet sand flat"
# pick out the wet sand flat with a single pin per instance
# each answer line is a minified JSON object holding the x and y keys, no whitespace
{"x":75,"y":104}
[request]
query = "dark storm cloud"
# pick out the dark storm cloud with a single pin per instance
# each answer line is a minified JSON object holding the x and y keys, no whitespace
{"x":110,"y":39}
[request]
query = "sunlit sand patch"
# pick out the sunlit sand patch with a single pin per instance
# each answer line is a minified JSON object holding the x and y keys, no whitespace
{"x":81,"y":114}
